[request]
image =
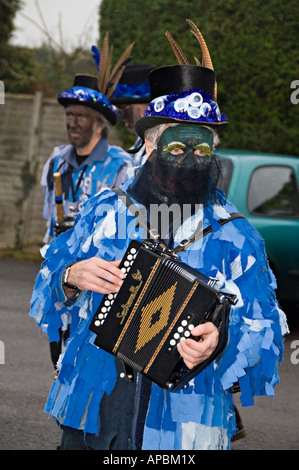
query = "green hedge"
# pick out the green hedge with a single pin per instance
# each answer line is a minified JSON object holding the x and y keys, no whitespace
{"x":254,"y":50}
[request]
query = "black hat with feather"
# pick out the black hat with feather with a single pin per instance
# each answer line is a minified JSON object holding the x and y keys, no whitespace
{"x":184,"y":92}
{"x":96,"y":91}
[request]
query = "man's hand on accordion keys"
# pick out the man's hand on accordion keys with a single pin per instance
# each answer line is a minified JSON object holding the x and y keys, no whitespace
{"x":195,"y":351}
{"x":97,"y":275}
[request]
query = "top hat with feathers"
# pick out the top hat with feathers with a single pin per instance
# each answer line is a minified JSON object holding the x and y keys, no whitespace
{"x":183,"y":93}
{"x":96,"y":91}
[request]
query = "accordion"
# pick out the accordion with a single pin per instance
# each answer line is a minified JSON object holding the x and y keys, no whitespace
{"x":159,"y":303}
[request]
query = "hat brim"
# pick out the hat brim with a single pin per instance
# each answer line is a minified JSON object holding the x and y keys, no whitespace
{"x":107,"y":113}
{"x":147,"y":122}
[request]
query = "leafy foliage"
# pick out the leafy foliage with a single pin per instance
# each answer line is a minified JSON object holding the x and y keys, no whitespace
{"x":254,"y":50}
{"x":253,"y":46}
{"x":8,"y":10}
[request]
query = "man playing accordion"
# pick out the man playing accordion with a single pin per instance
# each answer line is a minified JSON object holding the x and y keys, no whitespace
{"x":91,"y":399}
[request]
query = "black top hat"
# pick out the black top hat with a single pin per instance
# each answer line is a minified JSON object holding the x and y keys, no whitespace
{"x":177,"y":78}
{"x":181,"y":93}
{"x":85,"y":92}
{"x":133,"y":87}
{"x":184,"y":92}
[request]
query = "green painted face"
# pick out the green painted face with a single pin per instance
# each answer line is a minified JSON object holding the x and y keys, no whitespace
{"x":185,"y":144}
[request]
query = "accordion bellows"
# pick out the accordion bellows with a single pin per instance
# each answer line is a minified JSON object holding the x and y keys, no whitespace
{"x":159,"y":303}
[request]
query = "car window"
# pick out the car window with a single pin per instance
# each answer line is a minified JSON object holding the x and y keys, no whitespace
{"x":273,"y":191}
{"x":226,"y":171}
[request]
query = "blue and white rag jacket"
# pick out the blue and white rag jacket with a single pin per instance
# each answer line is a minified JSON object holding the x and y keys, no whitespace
{"x":235,"y":255}
{"x":106,"y":166}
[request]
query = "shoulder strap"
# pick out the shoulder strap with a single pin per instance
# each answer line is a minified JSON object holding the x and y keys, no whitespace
{"x":138,"y":214}
{"x":154,"y":235}
{"x":199,"y":233}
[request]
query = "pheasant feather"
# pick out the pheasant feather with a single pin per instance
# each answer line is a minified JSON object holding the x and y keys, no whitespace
{"x":177,"y":50}
{"x":206,"y":58}
{"x":103,"y":63}
{"x":118,"y":70}
{"x":107,"y":80}
{"x":123,"y":59}
{"x":107,"y":70}
{"x":114,"y":81}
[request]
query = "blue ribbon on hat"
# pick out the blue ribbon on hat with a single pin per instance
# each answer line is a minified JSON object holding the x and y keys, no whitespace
{"x":134,"y":90}
{"x":192,"y":105}
{"x":87,"y":95}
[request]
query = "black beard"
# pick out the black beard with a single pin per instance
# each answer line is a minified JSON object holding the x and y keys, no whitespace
{"x":184,"y":184}
{"x":158,"y":182}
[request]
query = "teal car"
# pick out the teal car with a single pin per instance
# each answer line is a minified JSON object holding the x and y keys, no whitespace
{"x":264,"y":188}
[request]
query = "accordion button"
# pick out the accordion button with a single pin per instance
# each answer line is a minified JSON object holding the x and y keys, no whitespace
{"x":184,"y":322}
{"x":172,"y":342}
{"x":187,"y":334}
{"x":190,"y":327}
{"x":122,"y":375}
{"x":180,"y":329}
{"x":97,"y":323}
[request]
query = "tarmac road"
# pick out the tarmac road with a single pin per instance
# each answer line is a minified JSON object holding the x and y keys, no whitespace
{"x":26,"y":375}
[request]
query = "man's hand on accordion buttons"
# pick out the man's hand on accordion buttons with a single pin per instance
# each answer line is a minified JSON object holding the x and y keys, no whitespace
{"x":97,"y":275}
{"x":194,"y":352}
